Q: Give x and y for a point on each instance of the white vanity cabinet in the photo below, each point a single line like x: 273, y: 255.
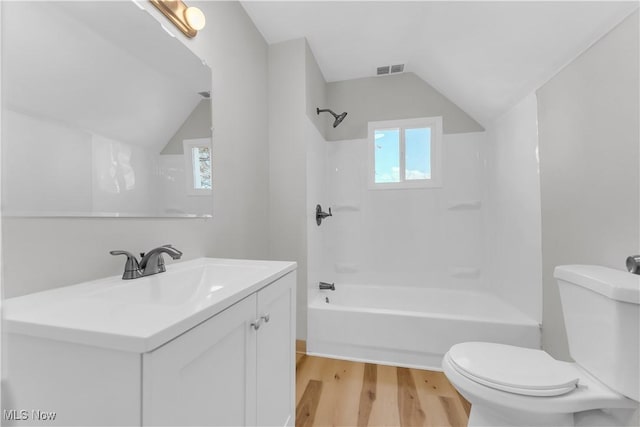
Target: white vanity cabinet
x: 142, y: 353
x: 225, y: 371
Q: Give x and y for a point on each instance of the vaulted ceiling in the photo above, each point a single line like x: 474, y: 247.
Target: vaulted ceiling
x: 484, y: 56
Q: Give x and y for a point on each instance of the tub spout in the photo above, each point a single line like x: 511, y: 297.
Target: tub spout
x: 328, y: 286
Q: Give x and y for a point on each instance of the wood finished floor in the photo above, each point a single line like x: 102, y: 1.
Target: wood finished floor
x: 331, y: 392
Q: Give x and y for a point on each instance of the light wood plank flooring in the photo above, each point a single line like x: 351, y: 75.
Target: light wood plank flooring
x: 331, y: 392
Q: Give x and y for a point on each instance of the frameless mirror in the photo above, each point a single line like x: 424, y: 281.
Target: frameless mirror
x: 104, y: 113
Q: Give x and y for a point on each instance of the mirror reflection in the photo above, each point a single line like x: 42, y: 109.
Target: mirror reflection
x: 103, y: 114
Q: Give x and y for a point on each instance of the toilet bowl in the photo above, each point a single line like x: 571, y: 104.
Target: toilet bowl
x: 515, y: 386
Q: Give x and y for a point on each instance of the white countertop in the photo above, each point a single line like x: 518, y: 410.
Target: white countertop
x: 142, y: 314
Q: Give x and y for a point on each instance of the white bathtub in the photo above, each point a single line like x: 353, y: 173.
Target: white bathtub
x: 411, y: 327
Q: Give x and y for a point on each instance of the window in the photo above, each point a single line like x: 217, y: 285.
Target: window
x: 197, y: 156
x: 405, y: 153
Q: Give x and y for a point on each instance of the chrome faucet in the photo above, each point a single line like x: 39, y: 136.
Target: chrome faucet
x: 327, y: 286
x: 153, y: 263
x: 150, y: 263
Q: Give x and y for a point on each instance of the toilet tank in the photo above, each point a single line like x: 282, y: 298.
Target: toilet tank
x: 602, y: 317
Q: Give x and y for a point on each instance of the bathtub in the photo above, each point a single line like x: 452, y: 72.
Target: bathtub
x: 412, y: 327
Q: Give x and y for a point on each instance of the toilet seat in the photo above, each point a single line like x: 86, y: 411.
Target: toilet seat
x: 517, y: 370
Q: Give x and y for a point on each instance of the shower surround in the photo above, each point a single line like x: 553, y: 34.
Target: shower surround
x: 431, y: 237
x: 416, y: 269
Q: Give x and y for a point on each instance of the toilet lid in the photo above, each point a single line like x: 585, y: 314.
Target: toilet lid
x: 513, y: 369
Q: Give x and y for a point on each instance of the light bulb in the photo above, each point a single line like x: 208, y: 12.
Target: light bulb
x: 195, y: 18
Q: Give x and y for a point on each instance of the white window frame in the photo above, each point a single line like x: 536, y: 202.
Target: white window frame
x: 435, y: 123
x: 188, y: 146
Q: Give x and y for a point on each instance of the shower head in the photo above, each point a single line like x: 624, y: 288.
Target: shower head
x: 338, y: 118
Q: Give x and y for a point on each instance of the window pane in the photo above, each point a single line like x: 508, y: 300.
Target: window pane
x: 387, y: 155
x: 201, y: 168
x: 417, y: 153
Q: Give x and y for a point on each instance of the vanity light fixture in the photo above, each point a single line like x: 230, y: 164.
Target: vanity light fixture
x: 189, y: 20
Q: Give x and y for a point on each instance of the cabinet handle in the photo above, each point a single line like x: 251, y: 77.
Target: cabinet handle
x: 265, y: 317
x: 256, y: 324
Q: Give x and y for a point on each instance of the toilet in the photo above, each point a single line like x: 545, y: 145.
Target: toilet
x: 515, y: 386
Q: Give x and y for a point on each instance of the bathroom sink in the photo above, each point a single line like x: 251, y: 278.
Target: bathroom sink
x: 140, y: 314
x: 175, y: 288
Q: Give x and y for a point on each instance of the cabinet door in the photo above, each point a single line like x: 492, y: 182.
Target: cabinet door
x: 276, y: 353
x: 206, y: 376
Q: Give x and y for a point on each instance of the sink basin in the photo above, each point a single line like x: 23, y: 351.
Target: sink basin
x: 141, y: 314
x: 174, y: 288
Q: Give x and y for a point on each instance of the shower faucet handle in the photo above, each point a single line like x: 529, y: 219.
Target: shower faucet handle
x: 320, y: 215
x: 324, y: 214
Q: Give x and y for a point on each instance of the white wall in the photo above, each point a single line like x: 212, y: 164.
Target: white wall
x: 392, y: 97
x: 2, y: 337
x: 316, y: 93
x: 43, y: 253
x: 588, y: 133
x: 315, y: 130
x: 413, y: 237
x: 288, y: 163
x: 296, y: 161
x: 513, y: 255
x: 316, y: 194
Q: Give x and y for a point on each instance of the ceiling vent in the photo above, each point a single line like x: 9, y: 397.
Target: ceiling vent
x: 390, y: 69
x: 383, y: 70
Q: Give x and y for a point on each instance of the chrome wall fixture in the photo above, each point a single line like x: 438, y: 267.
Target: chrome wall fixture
x: 189, y: 20
x: 150, y: 263
x: 338, y: 117
x: 320, y: 215
x: 327, y: 286
x: 633, y: 264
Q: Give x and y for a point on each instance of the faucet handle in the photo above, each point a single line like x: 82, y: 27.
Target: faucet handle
x: 131, y: 267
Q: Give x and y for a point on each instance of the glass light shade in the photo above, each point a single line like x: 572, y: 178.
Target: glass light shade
x: 195, y: 18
